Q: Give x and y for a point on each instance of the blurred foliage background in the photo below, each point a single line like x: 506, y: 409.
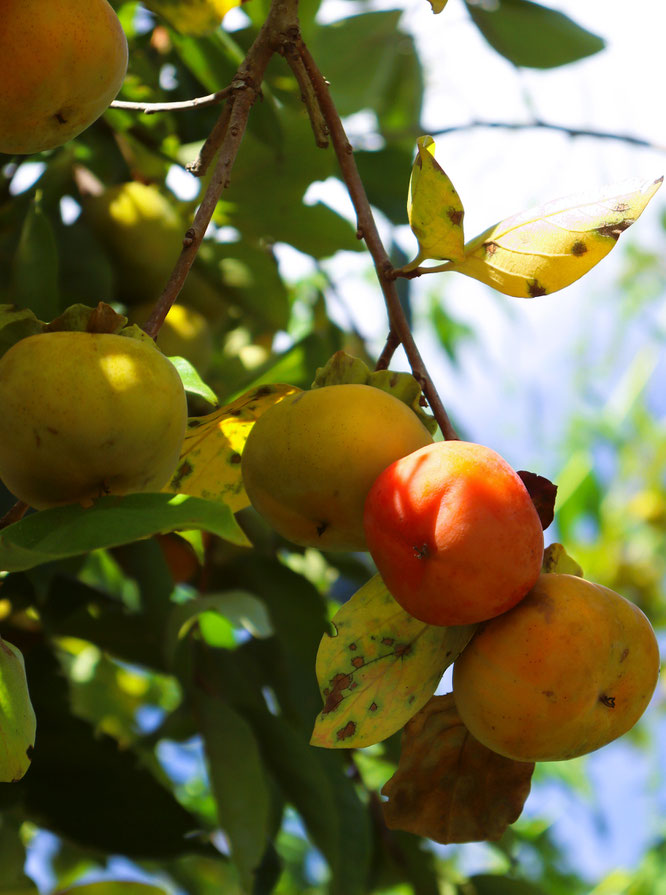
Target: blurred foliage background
x: 155, y: 751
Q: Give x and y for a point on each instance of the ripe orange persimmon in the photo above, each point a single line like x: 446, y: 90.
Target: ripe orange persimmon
x: 454, y: 533
x: 567, y: 670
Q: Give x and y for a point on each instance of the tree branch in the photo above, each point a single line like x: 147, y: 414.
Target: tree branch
x: 546, y: 125
x: 226, y: 137
x: 199, y: 102
x: 15, y: 514
x: 367, y: 230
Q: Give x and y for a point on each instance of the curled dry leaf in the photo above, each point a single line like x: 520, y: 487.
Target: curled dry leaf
x: 543, y: 493
x: 448, y: 787
x: 434, y: 208
x: 381, y: 666
x: 209, y: 464
x: 557, y: 560
x: 547, y: 248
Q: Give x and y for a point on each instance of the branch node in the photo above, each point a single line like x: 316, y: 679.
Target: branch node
x: 190, y: 236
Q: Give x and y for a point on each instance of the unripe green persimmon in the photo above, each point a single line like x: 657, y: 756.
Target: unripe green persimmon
x: 87, y: 414
x: 567, y: 670
x: 62, y: 62
x: 310, y: 460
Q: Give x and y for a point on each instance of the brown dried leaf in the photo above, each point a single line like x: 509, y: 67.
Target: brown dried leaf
x: 543, y: 494
x: 448, y: 787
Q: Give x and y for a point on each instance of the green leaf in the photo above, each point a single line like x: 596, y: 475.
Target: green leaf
x: 192, y: 381
x: 491, y: 884
x: 12, y: 859
x: 434, y: 208
x: 383, y: 173
x: 35, y: 274
x: 532, y: 35
x: 379, y: 668
x: 17, y: 324
x: 238, y: 782
x: 17, y: 716
x: 71, y: 530
x: 544, y: 249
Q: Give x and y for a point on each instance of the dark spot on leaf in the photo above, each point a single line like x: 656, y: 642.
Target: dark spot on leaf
x: 607, y: 700
x: 353, y: 646
x: 388, y: 641
x: 347, y: 731
x: 353, y: 685
x: 614, y: 230
x: 625, y: 653
x: 193, y: 423
x: 490, y: 247
x: 535, y: 288
x: 235, y: 458
x: 184, y: 470
x: 411, y: 699
x: 321, y: 527
x: 373, y: 707
x: 455, y: 216
x: 358, y: 662
x: 402, y: 649
x: 262, y: 392
x: 335, y: 696
x: 578, y: 248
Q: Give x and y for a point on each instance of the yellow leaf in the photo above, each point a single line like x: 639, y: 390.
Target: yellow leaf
x: 380, y: 668
x: 196, y: 17
x: 546, y: 248
x: 434, y: 208
x: 557, y: 560
x: 209, y: 464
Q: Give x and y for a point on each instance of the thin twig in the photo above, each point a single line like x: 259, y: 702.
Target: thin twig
x: 389, y: 349
x: 200, y: 166
x: 367, y: 229
x: 16, y: 513
x: 547, y: 125
x: 317, y: 121
x: 198, y: 102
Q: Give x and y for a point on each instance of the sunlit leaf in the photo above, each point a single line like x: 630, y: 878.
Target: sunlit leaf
x: 379, y: 668
x: 556, y: 559
x: 209, y: 465
x: 197, y: 17
x: 448, y: 787
x: 546, y: 248
x: 17, y: 716
x: 434, y: 208
x: 192, y: 381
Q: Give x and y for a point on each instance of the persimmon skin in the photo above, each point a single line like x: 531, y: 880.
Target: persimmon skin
x: 570, y: 668
x: 310, y: 460
x: 62, y: 62
x: 454, y: 533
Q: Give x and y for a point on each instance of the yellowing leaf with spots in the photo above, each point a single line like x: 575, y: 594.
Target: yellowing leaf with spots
x: 434, y: 208
x: 209, y: 464
x: 381, y: 666
x: 197, y: 17
x: 547, y: 248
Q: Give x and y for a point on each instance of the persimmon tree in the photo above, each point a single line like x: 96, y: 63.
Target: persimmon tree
x: 212, y: 700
